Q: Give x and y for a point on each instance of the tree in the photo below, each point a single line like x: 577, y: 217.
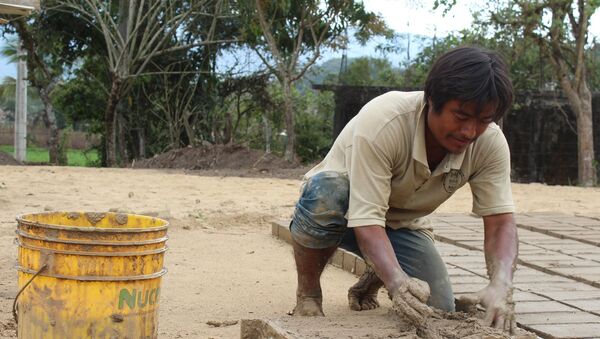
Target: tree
x: 289, y: 35
x: 559, y: 28
x: 367, y: 71
x: 134, y: 33
x: 8, y: 100
x: 44, y: 69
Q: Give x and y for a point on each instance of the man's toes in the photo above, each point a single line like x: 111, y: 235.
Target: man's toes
x: 369, y: 304
x: 354, y: 304
x: 354, y: 300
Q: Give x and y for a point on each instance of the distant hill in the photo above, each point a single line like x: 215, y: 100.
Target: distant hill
x: 329, y: 66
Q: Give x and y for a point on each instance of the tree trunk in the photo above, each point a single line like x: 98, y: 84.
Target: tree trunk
x: 109, y: 123
x: 288, y: 106
x: 585, y: 138
x: 189, y: 131
x: 580, y: 100
x: 227, y: 129
x: 141, y: 143
x: 50, y: 121
x: 581, y: 104
x: 122, y: 128
x: 267, y: 128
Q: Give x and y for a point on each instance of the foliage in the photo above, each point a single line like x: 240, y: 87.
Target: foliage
x: 62, y: 146
x: 181, y: 96
x: 367, y: 71
x: 314, y: 127
x: 7, y: 98
x: 558, y: 31
x: 288, y: 36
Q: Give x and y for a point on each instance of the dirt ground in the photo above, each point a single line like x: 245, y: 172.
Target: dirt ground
x: 223, y: 263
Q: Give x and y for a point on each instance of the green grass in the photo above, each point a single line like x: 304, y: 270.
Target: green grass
x: 75, y: 157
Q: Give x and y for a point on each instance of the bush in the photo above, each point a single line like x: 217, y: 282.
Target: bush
x: 313, y: 137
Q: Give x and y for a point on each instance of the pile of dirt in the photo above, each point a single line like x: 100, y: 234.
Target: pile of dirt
x: 226, y: 160
x: 7, y: 159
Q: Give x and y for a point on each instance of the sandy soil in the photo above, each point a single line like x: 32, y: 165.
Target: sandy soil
x: 223, y: 263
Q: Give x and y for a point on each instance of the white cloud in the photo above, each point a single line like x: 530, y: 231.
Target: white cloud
x: 418, y: 16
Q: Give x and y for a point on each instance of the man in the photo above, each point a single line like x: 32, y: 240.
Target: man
x: 402, y: 156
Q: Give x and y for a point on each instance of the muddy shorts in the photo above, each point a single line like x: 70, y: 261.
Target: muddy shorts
x: 319, y: 222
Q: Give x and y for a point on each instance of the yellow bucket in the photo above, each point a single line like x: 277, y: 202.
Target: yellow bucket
x: 89, y: 275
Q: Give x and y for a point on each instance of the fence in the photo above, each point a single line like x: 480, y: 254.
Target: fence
x: 38, y: 136
x: 538, y: 129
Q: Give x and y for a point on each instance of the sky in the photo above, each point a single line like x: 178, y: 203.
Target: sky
x: 418, y: 16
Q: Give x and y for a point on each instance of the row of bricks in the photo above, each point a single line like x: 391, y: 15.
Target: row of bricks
x: 537, y: 312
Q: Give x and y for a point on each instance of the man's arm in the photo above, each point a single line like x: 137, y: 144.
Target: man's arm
x: 501, y: 250
x: 408, y: 295
x: 501, y: 247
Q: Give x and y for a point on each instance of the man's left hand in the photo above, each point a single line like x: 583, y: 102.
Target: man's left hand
x: 499, y: 306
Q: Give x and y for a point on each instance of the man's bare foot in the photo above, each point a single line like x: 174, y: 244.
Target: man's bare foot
x: 363, y: 295
x: 308, y: 307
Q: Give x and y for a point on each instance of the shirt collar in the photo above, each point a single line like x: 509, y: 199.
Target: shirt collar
x: 450, y: 161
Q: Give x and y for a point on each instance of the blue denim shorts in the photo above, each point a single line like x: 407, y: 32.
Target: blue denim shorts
x: 319, y: 219
x: 319, y: 222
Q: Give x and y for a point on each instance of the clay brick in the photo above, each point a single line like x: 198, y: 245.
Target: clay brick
x: 541, y: 306
x: 469, y: 279
x: 467, y: 288
x: 338, y: 258
x: 349, y: 262
x: 284, y: 234
x: 578, y: 270
x: 544, y: 287
x: 259, y: 328
x: 361, y: 267
x: 573, y: 295
x: 589, y: 330
x: 575, y: 317
x: 588, y: 305
x: 519, y: 296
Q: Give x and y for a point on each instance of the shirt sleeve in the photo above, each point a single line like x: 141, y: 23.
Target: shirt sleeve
x: 490, y: 185
x: 370, y: 183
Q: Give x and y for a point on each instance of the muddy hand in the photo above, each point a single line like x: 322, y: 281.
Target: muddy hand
x: 363, y: 295
x: 409, y: 300
x: 499, y: 306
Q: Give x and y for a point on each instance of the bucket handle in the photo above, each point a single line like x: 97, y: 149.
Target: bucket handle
x: 14, y: 308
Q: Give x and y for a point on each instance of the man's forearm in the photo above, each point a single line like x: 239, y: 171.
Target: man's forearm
x: 379, y: 253
x: 501, y: 248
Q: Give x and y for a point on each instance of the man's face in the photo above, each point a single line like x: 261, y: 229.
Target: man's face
x: 458, y: 124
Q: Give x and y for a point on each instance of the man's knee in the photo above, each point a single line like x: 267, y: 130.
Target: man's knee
x: 319, y: 219
x: 326, y: 193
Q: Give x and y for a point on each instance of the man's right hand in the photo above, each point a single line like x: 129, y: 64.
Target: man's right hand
x: 408, y: 295
x: 408, y: 300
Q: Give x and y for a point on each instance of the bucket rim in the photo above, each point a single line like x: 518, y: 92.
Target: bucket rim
x: 22, y: 221
x: 155, y: 275
x: 20, y: 233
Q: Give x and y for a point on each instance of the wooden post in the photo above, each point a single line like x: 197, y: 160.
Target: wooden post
x: 21, y: 106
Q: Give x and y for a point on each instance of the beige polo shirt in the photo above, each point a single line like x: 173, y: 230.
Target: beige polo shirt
x: 382, y: 151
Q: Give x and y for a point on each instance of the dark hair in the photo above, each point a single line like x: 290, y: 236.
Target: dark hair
x: 470, y: 74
